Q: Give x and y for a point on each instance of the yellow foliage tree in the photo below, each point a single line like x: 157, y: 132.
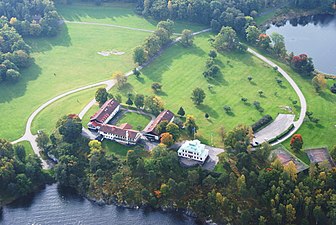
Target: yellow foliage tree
x: 291, y: 170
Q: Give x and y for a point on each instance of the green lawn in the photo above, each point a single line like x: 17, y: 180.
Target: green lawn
x: 120, y: 150
x: 89, y: 113
x: 28, y: 147
x: 138, y: 121
x: 116, y: 13
x: 180, y: 71
x: 69, y: 61
x: 46, y: 120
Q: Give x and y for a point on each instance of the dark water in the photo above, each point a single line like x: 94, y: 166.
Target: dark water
x: 53, y: 205
x: 315, y: 36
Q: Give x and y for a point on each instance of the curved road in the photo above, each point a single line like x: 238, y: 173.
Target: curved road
x: 28, y: 136
x: 302, y: 99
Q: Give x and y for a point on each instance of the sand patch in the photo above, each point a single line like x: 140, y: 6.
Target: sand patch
x: 112, y: 52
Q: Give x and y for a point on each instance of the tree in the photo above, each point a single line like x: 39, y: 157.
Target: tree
x: 296, y: 142
x: 162, y: 127
x: 226, y: 39
x: 167, y: 139
x: 227, y: 108
x: 244, y: 99
x: 319, y: 83
x: 136, y: 72
x: 290, y: 214
x: 264, y: 41
x: 42, y: 140
x: 101, y: 96
x: 302, y: 64
x: 70, y: 127
x: 333, y: 88
x: 181, y: 111
x: 333, y: 152
x: 129, y: 102
x: 279, y: 44
x: 140, y: 55
x: 198, y: 96
x: 212, y: 54
x: 154, y: 104
x: 120, y: 78
x: 20, y: 152
x: 187, y: 38
x: 12, y: 75
x: 190, y: 125
x: 139, y: 100
x: 250, y: 78
x: 167, y: 25
x: 206, y: 115
x: 174, y: 130
x: 260, y: 92
x: 252, y: 34
x: 238, y: 140
x: 156, y: 86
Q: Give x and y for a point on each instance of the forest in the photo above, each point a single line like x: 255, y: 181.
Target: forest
x: 23, y: 18
x: 249, y: 190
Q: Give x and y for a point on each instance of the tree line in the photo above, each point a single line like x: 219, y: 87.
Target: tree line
x: 19, y: 173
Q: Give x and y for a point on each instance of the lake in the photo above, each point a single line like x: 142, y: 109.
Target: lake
x: 54, y: 205
x: 315, y: 36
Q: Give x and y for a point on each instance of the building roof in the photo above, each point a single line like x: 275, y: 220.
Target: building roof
x: 194, y: 146
x: 111, y: 129
x: 164, y: 115
x: 105, y: 111
x: 125, y: 126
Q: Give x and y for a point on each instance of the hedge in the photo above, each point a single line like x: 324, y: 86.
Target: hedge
x: 265, y: 120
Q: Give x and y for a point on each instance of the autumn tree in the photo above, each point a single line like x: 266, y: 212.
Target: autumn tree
x: 167, y: 139
x: 319, y: 83
x: 296, y: 142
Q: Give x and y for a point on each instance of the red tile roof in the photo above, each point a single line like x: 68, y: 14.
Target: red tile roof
x: 125, y: 126
x: 164, y: 115
x: 105, y: 111
x: 111, y: 129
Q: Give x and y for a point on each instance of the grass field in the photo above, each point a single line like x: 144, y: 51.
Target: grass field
x: 46, y: 120
x: 69, y: 61
x: 179, y: 70
x: 116, y: 13
x: 138, y: 121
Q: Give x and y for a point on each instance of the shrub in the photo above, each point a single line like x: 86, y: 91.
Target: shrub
x: 261, y: 123
x: 333, y: 88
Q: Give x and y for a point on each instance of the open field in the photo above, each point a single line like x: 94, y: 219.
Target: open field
x: 138, y: 121
x: 116, y: 13
x: 69, y: 61
x: 322, y: 105
x: 74, y: 103
x: 180, y: 69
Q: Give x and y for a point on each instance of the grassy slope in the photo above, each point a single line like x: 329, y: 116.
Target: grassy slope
x: 116, y: 13
x: 72, y: 56
x: 74, y: 103
x: 138, y: 121
x: 180, y: 71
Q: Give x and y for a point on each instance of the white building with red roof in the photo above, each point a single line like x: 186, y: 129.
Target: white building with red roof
x: 122, y: 134
x: 110, y: 108
x: 150, y: 131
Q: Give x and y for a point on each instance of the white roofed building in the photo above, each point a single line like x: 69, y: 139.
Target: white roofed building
x: 193, y: 150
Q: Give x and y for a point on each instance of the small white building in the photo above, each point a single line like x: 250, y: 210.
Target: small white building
x: 193, y: 150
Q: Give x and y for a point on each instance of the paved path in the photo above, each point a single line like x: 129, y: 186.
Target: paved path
x: 28, y: 136
x: 302, y: 99
x: 281, y: 123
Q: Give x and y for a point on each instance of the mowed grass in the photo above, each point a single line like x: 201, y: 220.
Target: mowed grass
x: 180, y: 70
x: 72, y: 104
x: 138, y: 121
x: 116, y: 13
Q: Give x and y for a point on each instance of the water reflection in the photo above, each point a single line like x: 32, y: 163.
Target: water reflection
x: 313, y: 35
